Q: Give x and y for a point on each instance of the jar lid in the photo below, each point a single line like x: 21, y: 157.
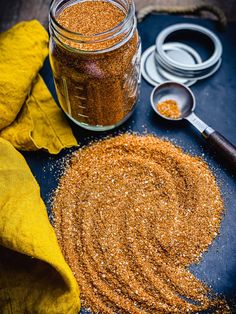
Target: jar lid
x: 178, y: 61
x: 155, y: 73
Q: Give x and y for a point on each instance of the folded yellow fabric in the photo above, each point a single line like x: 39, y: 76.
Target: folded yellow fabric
x: 34, y: 277
x: 40, y: 124
x: 22, y: 52
x: 29, y: 117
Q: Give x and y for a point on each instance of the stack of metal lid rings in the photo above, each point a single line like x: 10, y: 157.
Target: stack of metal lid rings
x: 177, y: 61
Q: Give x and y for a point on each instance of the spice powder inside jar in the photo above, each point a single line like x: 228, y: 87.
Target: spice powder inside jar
x: 96, y: 66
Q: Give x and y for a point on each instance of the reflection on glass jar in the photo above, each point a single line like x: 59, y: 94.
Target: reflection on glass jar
x: 95, y: 57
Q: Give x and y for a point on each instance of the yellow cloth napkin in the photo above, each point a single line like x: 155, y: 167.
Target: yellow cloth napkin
x: 40, y: 124
x: 34, y: 277
x: 29, y: 117
x: 23, y: 49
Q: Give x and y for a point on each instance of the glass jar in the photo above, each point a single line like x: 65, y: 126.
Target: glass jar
x: 96, y: 76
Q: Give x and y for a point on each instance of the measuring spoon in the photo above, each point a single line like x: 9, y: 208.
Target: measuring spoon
x: 186, y: 103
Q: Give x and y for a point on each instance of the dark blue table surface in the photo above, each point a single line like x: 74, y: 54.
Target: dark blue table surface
x: 216, y: 105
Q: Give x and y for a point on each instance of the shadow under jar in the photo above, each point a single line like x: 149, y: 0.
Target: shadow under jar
x: 95, y: 58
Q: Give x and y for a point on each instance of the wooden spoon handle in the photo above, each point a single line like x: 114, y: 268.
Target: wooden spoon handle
x: 223, y: 148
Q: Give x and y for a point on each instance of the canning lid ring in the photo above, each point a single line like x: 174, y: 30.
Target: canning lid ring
x: 149, y: 58
x: 160, y: 40
x: 191, y: 75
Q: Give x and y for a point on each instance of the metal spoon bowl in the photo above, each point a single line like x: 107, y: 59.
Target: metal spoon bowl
x: 186, y: 102
x: 176, y: 91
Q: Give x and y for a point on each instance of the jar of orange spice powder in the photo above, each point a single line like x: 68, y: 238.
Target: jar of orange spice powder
x: 95, y: 58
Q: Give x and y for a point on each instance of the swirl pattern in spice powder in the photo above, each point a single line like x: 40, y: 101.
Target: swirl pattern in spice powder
x: 131, y: 214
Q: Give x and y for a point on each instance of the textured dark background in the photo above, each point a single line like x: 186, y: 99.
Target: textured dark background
x: 12, y: 11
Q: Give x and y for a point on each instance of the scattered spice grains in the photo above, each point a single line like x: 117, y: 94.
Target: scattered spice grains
x: 131, y: 214
x: 95, y: 86
x: 169, y: 108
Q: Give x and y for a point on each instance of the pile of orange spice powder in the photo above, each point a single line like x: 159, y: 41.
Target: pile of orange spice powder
x: 169, y: 109
x: 131, y: 213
